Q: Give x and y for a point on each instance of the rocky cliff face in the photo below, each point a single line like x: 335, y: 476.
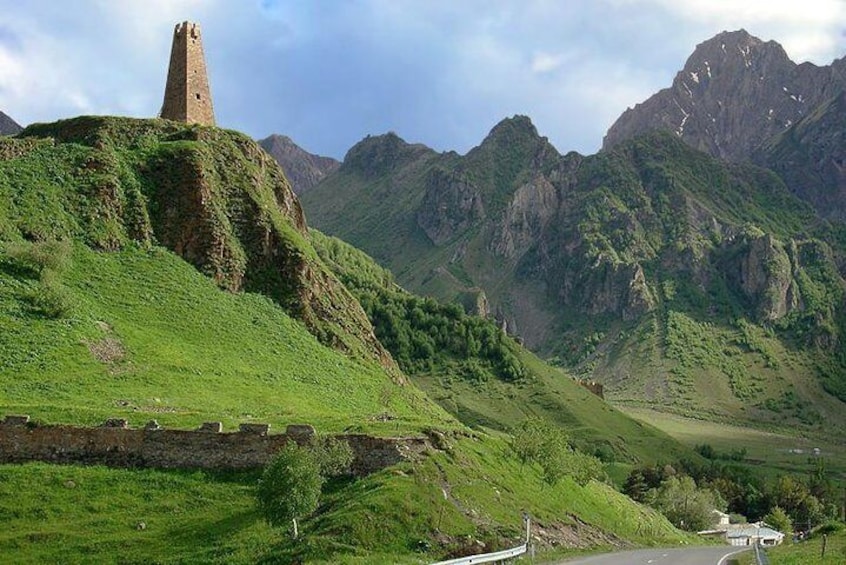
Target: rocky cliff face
x: 811, y: 158
x: 764, y: 272
x: 8, y: 126
x: 303, y: 169
x: 734, y: 93
x: 450, y: 206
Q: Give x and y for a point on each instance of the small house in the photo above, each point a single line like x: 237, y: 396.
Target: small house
x: 750, y: 534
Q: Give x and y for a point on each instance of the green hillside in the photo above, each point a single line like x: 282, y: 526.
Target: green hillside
x: 148, y: 337
x: 678, y: 281
x: 480, y: 375
x: 152, y: 270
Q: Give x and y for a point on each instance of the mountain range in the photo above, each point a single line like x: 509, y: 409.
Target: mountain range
x: 707, y: 223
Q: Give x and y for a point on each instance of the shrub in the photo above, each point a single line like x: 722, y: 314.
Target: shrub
x: 778, y: 519
x: 539, y: 441
x: 290, y: 486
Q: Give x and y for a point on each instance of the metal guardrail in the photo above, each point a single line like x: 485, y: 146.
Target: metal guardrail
x: 487, y: 557
x: 495, y: 556
x: 761, y: 556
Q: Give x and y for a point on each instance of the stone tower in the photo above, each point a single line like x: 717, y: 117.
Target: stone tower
x: 187, y: 96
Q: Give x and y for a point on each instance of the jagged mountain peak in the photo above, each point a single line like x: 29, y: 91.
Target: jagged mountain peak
x: 508, y: 130
x: 302, y: 168
x: 8, y: 126
x: 738, y: 50
x: 516, y: 138
x: 734, y: 93
x: 377, y: 154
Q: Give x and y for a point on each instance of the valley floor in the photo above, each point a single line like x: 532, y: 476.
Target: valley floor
x: 771, y: 451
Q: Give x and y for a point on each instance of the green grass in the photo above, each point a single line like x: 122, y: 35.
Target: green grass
x: 808, y: 552
x: 768, y: 452
x: 150, y: 337
x: 75, y: 514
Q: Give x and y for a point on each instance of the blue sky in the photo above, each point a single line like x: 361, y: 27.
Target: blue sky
x: 439, y: 72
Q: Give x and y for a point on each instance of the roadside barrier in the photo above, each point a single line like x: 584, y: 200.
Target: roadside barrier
x: 495, y: 556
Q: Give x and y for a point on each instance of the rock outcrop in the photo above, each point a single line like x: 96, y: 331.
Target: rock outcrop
x: 450, y: 206
x: 763, y: 271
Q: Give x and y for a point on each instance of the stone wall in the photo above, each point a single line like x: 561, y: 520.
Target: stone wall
x: 594, y: 387
x: 187, y: 94
x: 116, y: 444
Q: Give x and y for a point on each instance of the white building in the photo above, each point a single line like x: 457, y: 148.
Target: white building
x: 749, y: 534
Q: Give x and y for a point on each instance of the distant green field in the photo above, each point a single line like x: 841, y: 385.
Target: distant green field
x: 771, y: 452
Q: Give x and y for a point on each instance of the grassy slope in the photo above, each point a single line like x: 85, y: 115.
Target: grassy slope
x: 192, y: 353
x: 738, y: 373
x: 808, y: 552
x: 83, y: 514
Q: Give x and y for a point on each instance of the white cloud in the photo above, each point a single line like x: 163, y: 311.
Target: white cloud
x: 808, y: 29
x: 543, y: 62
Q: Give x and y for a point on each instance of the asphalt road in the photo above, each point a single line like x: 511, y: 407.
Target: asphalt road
x: 675, y: 556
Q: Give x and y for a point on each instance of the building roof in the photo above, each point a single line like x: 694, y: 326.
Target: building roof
x: 753, y: 531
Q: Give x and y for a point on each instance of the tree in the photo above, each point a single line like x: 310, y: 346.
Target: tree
x: 539, y: 441
x: 291, y: 484
x: 778, y: 519
x: 686, y: 505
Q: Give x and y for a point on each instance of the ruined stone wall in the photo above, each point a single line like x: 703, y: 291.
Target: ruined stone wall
x: 187, y: 94
x: 594, y: 387
x: 116, y: 445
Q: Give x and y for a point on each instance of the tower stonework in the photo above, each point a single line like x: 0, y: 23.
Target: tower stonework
x: 187, y: 96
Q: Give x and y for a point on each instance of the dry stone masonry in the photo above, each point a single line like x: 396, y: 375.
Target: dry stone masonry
x: 117, y: 445
x: 187, y: 95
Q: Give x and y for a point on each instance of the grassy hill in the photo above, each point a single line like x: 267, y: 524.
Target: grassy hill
x: 148, y: 337
x: 152, y: 270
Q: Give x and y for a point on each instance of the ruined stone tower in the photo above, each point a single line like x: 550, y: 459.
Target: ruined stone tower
x: 187, y: 96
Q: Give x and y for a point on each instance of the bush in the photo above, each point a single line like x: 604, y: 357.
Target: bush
x: 778, y: 519
x: 48, y: 259
x: 42, y: 256
x: 290, y: 486
x: 333, y: 456
x: 539, y: 441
